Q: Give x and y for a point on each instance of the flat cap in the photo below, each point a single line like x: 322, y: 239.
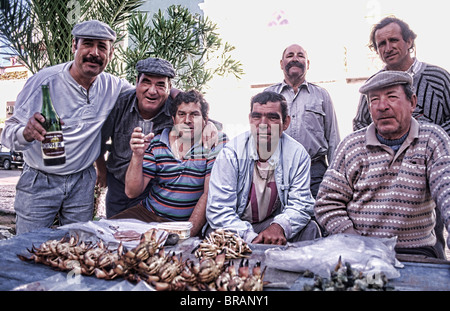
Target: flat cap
x: 385, y: 79
x: 155, y: 66
x: 94, y: 29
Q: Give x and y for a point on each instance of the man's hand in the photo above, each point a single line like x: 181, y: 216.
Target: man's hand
x: 274, y: 234
x: 210, y: 137
x: 34, y: 129
x: 139, y: 142
x: 100, y: 165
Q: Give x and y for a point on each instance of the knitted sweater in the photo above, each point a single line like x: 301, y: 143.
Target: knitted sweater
x: 432, y: 85
x: 377, y: 192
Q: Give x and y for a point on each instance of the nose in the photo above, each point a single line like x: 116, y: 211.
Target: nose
x: 389, y: 47
x: 94, y: 50
x: 151, y: 89
x: 383, y: 104
x: 188, y: 118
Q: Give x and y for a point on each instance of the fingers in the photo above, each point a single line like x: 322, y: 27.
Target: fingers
x: 139, y: 142
x: 271, y: 235
x: 34, y: 129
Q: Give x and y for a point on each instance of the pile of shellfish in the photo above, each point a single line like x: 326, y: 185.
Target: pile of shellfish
x: 345, y: 278
x: 223, y: 240
x: 149, y: 262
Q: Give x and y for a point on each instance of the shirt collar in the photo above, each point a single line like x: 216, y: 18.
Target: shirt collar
x: 372, y: 140
x: 305, y: 84
x: 253, y: 153
x: 165, y: 140
x: 414, y: 68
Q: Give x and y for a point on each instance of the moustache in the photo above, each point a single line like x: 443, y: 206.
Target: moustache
x: 93, y: 59
x: 296, y: 64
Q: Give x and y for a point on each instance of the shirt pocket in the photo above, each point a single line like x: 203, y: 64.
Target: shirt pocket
x: 314, y: 116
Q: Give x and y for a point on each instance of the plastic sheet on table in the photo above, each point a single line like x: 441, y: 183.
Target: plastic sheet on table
x: 365, y: 254
x: 114, y: 231
x: 68, y: 282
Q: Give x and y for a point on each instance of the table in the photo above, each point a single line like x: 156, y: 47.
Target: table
x: 15, y: 273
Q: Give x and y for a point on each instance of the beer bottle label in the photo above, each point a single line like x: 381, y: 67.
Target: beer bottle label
x: 53, y: 145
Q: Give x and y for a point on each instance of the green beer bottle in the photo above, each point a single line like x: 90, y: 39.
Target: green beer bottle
x: 53, y: 150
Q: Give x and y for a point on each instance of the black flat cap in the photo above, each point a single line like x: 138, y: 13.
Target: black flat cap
x: 94, y: 29
x: 384, y: 79
x: 155, y: 66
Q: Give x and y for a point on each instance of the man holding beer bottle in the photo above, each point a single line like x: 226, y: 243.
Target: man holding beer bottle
x: 82, y: 96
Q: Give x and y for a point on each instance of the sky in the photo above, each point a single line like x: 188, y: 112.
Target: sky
x: 336, y: 36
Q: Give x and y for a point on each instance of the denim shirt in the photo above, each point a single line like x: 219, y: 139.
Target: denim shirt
x: 231, y: 181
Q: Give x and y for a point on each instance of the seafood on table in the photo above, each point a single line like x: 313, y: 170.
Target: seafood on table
x: 149, y: 262
x: 221, y: 239
x: 345, y: 278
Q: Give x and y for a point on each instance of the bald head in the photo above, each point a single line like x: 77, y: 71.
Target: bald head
x: 295, y: 64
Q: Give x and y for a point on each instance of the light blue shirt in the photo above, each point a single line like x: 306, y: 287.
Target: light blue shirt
x: 313, y: 118
x: 231, y: 181
x: 82, y: 112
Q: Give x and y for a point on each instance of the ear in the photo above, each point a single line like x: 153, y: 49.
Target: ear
x: 410, y: 44
x: 286, y: 123
x: 74, y: 46
x: 111, y: 53
x: 413, y: 102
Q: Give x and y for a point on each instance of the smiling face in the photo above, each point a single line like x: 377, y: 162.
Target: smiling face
x: 189, y: 122
x: 392, y: 48
x: 391, y: 111
x: 91, y: 57
x: 294, y: 64
x: 151, y: 93
x: 267, y: 125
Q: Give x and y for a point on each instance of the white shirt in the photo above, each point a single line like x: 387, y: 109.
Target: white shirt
x: 82, y: 112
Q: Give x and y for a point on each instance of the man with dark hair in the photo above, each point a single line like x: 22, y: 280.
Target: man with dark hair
x: 313, y: 119
x: 174, y: 167
x: 260, y: 182
x: 389, y: 178
x: 82, y: 95
x: 151, y: 100
x: 394, y: 43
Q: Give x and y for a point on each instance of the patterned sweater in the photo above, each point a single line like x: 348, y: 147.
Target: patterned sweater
x: 371, y: 189
x: 432, y: 85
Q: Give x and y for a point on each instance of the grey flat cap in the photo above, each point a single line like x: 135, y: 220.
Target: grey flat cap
x: 384, y: 79
x: 155, y: 66
x: 94, y: 29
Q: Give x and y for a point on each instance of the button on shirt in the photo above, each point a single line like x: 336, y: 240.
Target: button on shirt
x: 313, y: 119
x: 83, y: 113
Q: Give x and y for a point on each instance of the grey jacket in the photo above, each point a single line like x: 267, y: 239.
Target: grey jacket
x: 231, y: 181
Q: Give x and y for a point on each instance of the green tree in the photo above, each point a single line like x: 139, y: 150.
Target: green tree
x: 189, y: 41
x: 39, y: 31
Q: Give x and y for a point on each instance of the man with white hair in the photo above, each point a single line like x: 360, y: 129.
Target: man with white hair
x: 388, y: 178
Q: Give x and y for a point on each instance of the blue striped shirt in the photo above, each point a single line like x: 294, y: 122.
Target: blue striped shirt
x: 176, y: 185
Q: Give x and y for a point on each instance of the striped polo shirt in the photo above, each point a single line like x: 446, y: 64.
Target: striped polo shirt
x: 176, y: 185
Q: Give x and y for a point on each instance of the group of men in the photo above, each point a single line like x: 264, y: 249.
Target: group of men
x: 289, y: 178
